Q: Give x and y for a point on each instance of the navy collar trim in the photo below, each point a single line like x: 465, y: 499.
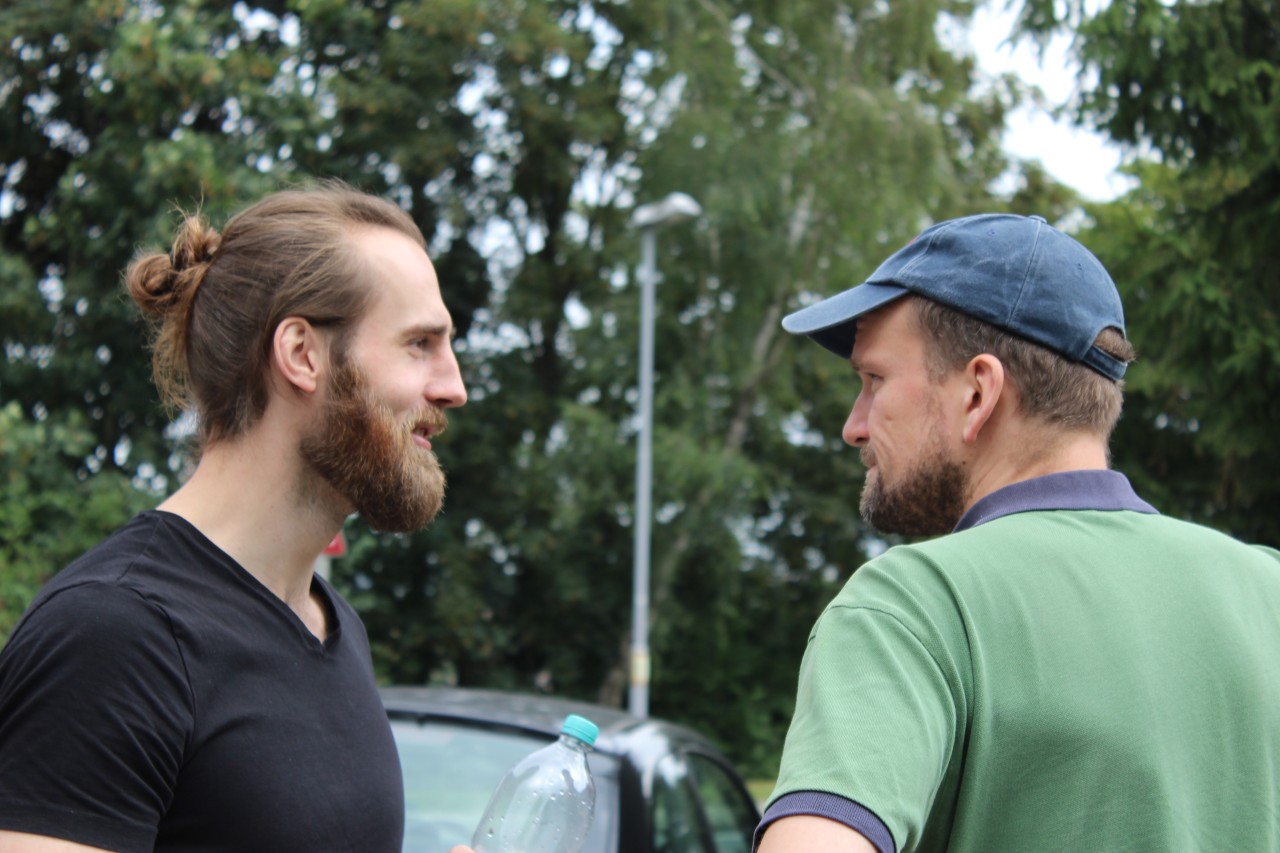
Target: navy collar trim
x: 1093, y: 489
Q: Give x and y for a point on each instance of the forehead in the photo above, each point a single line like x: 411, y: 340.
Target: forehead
x: 405, y: 292
x: 889, y: 335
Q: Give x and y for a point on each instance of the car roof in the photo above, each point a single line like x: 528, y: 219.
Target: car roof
x: 620, y: 732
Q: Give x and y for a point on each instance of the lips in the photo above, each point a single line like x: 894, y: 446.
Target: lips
x: 432, y: 423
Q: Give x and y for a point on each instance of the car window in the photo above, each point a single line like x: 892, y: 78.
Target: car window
x: 676, y: 828
x: 451, y: 770
x: 729, y: 810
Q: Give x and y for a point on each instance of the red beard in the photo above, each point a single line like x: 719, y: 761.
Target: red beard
x: 369, y: 457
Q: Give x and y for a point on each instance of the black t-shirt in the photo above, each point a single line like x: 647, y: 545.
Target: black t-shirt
x: 157, y: 696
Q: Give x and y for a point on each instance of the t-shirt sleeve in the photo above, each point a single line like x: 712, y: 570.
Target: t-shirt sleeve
x: 880, y: 711
x: 95, y: 715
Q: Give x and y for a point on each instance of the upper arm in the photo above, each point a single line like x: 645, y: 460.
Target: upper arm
x: 880, y: 711
x: 22, y: 842
x: 804, y: 833
x: 95, y: 717
x: 876, y: 720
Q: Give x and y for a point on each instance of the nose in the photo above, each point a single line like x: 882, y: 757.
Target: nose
x: 855, y: 433
x: 447, y: 389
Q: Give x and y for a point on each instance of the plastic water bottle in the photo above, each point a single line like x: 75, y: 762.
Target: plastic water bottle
x: 545, y: 802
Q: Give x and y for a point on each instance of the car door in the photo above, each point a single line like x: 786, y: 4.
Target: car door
x: 727, y: 809
x: 699, y: 807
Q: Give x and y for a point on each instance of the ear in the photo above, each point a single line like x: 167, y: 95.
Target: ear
x: 298, y: 354
x: 984, y: 386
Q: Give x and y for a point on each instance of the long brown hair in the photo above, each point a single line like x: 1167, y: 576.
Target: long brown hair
x: 214, y: 300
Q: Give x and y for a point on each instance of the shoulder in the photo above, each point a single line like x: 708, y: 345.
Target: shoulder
x: 1191, y: 531
x: 97, y: 618
x: 91, y: 632
x: 902, y: 602
x: 158, y: 559
x: 920, y: 594
x: 115, y: 557
x: 901, y: 577
x: 102, y: 589
x: 96, y: 713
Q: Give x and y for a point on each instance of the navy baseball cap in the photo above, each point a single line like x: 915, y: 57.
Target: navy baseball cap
x: 1015, y: 272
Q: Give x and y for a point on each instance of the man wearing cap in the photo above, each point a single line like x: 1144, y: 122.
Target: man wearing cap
x: 1065, y: 669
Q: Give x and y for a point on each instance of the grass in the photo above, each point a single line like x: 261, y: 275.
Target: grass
x: 760, y: 789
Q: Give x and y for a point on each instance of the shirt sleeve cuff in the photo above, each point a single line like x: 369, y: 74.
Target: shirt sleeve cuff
x: 833, y: 807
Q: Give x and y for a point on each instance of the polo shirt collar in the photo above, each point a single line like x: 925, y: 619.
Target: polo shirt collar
x: 1092, y: 489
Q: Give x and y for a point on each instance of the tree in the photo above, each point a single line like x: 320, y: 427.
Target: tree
x: 51, y: 511
x: 818, y: 138
x: 519, y: 134
x: 1197, y: 86
x: 115, y: 113
x: 816, y: 143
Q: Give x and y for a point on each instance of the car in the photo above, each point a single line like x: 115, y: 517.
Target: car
x: 660, y: 787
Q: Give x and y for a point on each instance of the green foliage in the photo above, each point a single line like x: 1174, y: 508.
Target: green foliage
x: 518, y: 134
x: 1198, y: 432
x: 1193, y: 248
x: 817, y: 138
x: 51, y: 508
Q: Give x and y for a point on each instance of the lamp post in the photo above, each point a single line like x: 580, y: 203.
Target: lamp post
x: 676, y: 207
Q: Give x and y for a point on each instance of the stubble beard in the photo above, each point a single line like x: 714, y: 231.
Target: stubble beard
x: 929, y: 500
x: 368, y: 456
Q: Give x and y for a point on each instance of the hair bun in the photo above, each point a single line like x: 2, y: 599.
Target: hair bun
x: 160, y: 283
x: 194, y: 245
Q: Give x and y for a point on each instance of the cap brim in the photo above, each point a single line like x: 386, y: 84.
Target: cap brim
x: 832, y: 322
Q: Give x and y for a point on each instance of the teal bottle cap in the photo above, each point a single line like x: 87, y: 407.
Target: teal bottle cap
x: 581, y: 728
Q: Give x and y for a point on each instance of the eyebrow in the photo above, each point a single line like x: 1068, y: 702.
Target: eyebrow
x: 435, y: 330
x: 861, y: 365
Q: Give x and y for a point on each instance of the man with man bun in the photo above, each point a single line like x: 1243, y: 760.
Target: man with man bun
x: 190, y: 683
x: 1062, y: 668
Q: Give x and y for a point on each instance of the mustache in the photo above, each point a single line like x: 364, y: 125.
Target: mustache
x: 431, y: 420
x: 868, y: 457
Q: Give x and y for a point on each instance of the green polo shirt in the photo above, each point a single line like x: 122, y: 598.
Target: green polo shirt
x: 1069, y: 671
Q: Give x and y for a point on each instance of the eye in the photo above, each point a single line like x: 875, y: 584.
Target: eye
x: 427, y: 338
x: 424, y: 343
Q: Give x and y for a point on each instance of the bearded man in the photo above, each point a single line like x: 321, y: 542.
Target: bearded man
x: 1062, y: 668
x: 190, y: 683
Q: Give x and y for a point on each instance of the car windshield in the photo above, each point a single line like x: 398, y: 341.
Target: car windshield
x: 450, y: 771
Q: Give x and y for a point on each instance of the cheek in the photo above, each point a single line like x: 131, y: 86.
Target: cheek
x: 396, y: 390
x: 881, y: 422
x: 892, y: 425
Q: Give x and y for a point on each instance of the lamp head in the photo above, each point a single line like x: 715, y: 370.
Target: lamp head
x: 676, y: 207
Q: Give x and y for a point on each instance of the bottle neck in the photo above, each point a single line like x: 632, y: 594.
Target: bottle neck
x: 571, y: 742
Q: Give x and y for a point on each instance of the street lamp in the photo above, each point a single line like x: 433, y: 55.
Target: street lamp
x: 676, y: 207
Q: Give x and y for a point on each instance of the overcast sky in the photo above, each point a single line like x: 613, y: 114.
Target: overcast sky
x: 1078, y: 158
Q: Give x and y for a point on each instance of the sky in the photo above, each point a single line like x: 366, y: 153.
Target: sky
x: 1077, y: 157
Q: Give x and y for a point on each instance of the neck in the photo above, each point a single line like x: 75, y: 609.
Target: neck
x: 1041, y: 453
x: 245, y: 497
